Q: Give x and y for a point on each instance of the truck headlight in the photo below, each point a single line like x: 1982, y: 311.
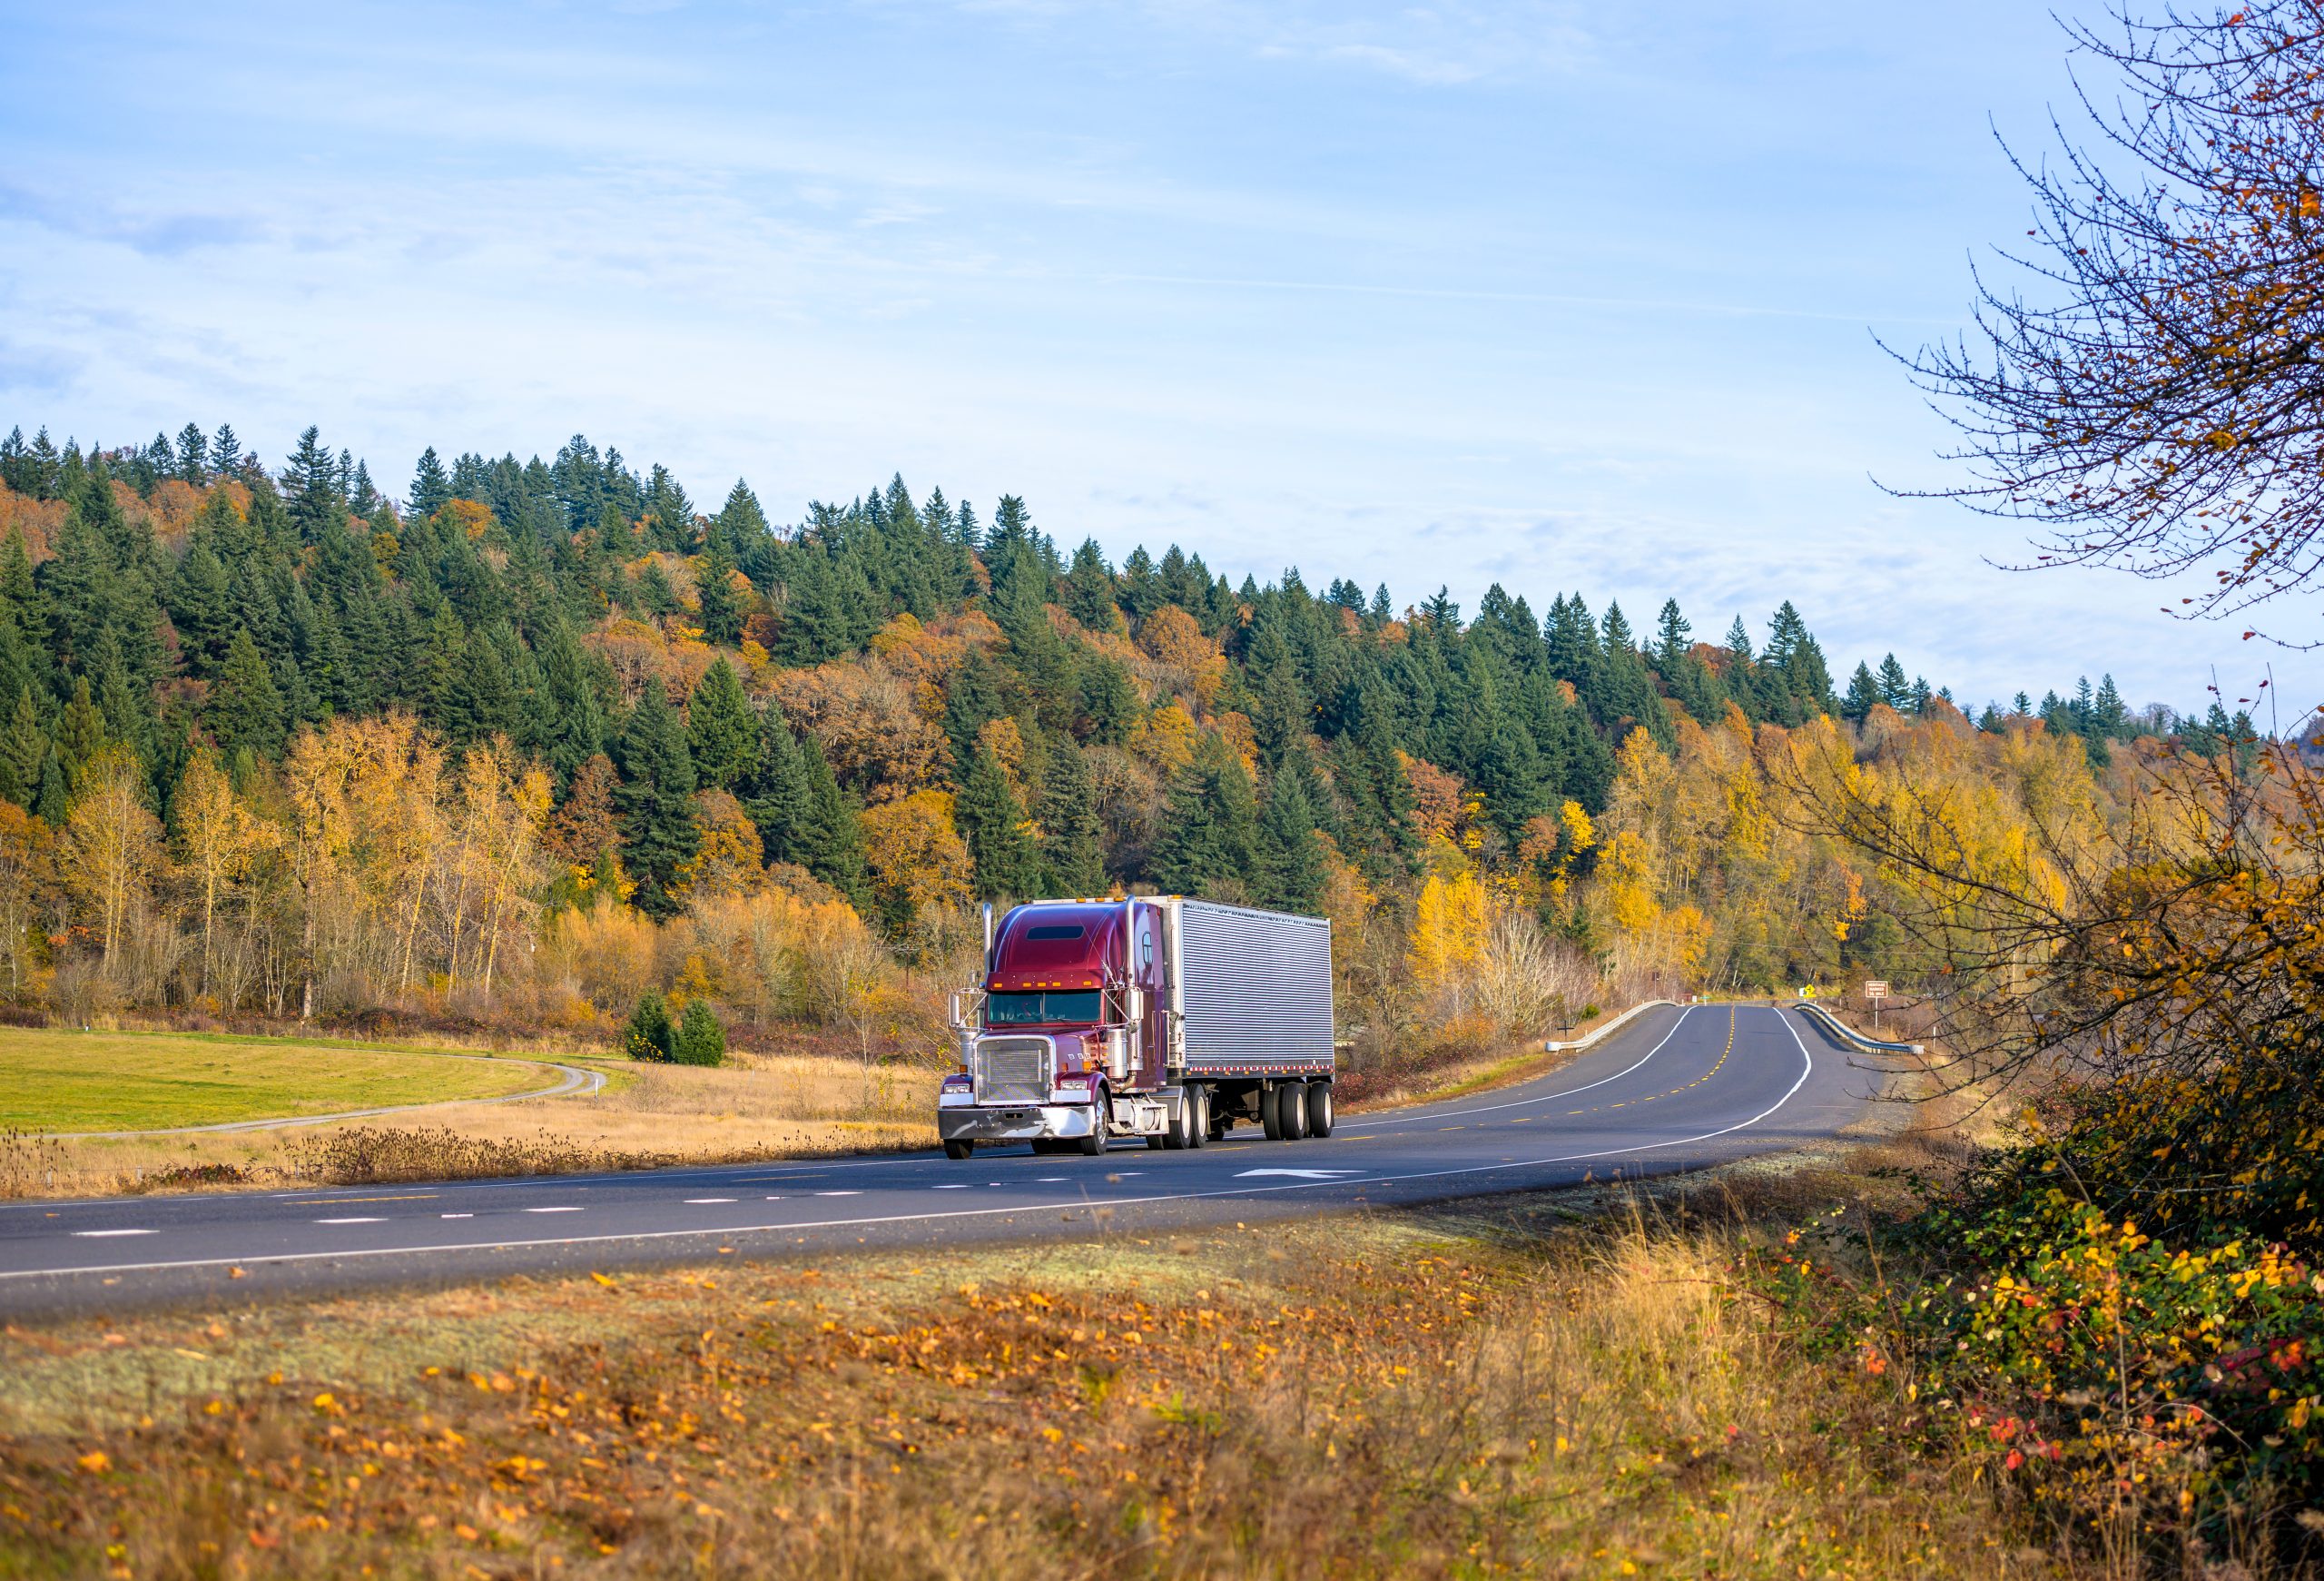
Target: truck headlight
x: 956, y: 1091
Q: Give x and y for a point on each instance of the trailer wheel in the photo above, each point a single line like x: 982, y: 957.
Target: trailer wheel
x: 1319, y: 1109
x: 1291, y: 1107
x: 959, y: 1150
x: 1198, y: 1130
x: 1270, y: 1113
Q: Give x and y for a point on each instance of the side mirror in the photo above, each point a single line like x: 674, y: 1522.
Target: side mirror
x: 955, y: 1015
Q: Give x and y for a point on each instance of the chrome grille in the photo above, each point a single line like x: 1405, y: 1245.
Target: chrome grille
x: 1012, y: 1070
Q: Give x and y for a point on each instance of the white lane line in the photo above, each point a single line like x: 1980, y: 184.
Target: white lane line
x: 360, y: 1221
x: 572, y: 1209
x: 1544, y: 1097
x: 839, y: 1193
x: 705, y: 1201
x: 1807, y: 1070
x: 102, y: 1234
x: 455, y: 1215
x: 773, y: 1199
x: 1303, y: 1174
x: 1048, y: 1180
x: 957, y: 1186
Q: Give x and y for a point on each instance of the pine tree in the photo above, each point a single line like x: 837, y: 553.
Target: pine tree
x: 24, y: 748
x: 1211, y: 828
x: 245, y: 708
x: 1864, y: 696
x: 721, y: 607
x: 1090, y: 588
x: 1895, y: 690
x: 1070, y: 848
x: 312, y: 483
x: 1109, y: 706
x: 1289, y: 871
x: 1671, y: 638
x: 225, y: 452
x: 991, y: 821
x: 722, y: 730
x: 431, y: 488
x: 776, y: 792
x: 656, y: 801
x: 700, y: 1040
x: 831, y: 833
x: 193, y: 456
x: 649, y: 1035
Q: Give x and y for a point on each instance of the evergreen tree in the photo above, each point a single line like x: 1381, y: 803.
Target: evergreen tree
x: 1069, y: 838
x: 722, y: 607
x: 991, y: 821
x: 700, y: 1040
x: 656, y: 801
x: 432, y: 487
x: 1895, y: 690
x: 1288, y: 873
x: 722, y: 730
x: 193, y: 456
x: 1672, y: 633
x: 1090, y: 588
x: 831, y: 835
x: 312, y: 483
x: 1864, y: 696
x: 226, y: 452
x: 1210, y: 831
x: 24, y: 748
x: 774, y: 793
x: 245, y: 706
x: 649, y: 1036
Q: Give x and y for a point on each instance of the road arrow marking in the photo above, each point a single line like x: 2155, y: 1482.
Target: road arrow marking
x: 1302, y: 1174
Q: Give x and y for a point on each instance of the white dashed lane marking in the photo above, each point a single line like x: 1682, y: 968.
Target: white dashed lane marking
x: 839, y: 1193
x: 372, y: 1220
x: 455, y: 1215
x: 573, y: 1210
x: 705, y: 1201
x: 100, y: 1234
x: 956, y: 1187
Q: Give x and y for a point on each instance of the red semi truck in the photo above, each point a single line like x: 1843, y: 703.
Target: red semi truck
x: 1163, y: 1018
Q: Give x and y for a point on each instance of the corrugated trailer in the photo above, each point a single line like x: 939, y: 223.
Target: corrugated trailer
x: 1250, y: 991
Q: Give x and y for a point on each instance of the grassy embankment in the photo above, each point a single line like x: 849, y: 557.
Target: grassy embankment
x: 757, y: 1107
x: 1580, y: 1385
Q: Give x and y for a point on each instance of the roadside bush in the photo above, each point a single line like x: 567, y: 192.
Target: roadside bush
x: 649, y: 1035
x: 2125, y: 1311
x: 700, y: 1040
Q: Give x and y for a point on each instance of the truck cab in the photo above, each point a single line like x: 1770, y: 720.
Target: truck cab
x: 1064, y: 1043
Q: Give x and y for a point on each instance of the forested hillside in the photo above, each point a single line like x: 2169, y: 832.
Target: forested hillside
x: 275, y: 742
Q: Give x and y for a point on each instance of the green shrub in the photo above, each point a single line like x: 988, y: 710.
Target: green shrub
x: 649, y: 1035
x: 700, y: 1040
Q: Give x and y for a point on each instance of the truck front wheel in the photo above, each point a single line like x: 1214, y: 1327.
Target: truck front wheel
x: 959, y: 1150
x: 1094, y: 1142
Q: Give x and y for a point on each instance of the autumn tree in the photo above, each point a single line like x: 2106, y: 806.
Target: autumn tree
x: 111, y: 843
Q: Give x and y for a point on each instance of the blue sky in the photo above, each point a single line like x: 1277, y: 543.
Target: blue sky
x: 1531, y: 294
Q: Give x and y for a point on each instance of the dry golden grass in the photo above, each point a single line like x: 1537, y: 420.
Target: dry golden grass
x: 1540, y: 1386
x: 761, y: 1107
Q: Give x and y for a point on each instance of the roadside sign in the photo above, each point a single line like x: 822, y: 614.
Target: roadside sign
x: 1876, y: 988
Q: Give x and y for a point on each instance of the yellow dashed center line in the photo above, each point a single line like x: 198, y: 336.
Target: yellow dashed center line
x: 1674, y: 1092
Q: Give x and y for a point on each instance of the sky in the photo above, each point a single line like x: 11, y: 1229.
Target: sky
x: 1565, y: 297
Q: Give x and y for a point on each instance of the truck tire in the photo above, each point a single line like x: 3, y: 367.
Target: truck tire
x: 1198, y: 1132
x: 1093, y: 1145
x: 959, y: 1150
x: 1292, y: 1111
x: 1270, y: 1113
x: 1181, y: 1123
x: 1319, y: 1109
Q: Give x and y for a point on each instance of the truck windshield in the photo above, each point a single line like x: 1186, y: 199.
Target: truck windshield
x: 1026, y: 1009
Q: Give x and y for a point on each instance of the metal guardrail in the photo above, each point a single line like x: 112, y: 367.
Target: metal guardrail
x: 1551, y: 1045
x: 1855, y: 1037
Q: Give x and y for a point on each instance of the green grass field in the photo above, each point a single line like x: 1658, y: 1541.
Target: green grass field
x: 74, y: 1081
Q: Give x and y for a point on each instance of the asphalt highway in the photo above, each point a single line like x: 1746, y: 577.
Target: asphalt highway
x: 1675, y: 1088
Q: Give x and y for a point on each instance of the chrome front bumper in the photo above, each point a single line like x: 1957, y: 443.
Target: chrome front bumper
x: 1015, y: 1123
